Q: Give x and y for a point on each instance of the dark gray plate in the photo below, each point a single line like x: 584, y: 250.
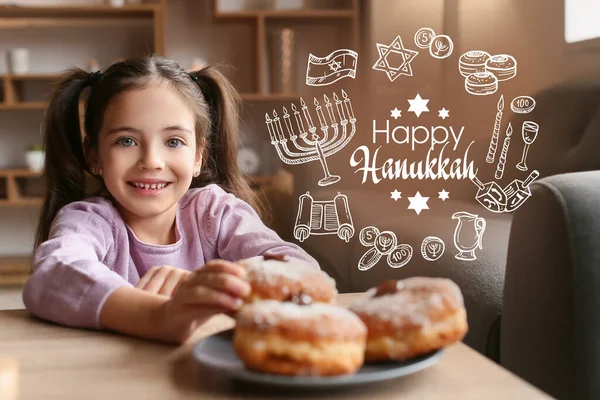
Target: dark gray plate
x: 216, y: 352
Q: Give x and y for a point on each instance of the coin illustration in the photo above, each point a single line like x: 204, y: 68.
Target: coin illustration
x: 441, y: 46
x: 423, y: 37
x: 368, y: 235
x: 385, y: 242
x: 400, y: 256
x: 432, y: 248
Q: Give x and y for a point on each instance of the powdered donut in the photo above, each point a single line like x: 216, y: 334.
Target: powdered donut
x: 481, y: 83
x: 472, y: 62
x: 279, y: 278
x: 292, y: 339
x: 503, y: 66
x: 411, y: 317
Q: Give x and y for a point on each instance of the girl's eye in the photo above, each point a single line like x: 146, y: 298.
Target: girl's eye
x: 127, y: 142
x: 174, y: 143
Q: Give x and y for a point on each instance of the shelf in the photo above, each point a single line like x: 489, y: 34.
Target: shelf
x: 57, y: 22
x: 14, y: 270
x: 30, y: 105
x: 12, y: 190
x: 72, y: 11
x: 269, y: 97
x: 277, y: 14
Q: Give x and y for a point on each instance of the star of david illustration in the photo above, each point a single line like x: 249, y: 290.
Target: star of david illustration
x: 395, y: 48
x: 334, y: 65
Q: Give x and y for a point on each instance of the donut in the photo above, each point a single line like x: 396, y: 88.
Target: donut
x: 472, y: 62
x: 411, y: 317
x: 503, y: 66
x: 481, y: 83
x: 299, y: 338
x: 277, y: 277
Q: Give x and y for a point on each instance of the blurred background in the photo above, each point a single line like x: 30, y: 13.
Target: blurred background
x: 266, y: 45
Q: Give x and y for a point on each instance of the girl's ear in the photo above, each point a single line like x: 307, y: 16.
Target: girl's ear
x: 91, y: 155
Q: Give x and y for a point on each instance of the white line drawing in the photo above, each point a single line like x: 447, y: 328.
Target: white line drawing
x: 328, y: 217
x: 401, y: 68
x: 339, y: 64
x: 472, y: 62
x: 318, y: 146
x: 396, y: 195
x: 443, y: 113
x: 383, y: 244
x: 418, y: 105
x: 494, y: 141
x: 481, y: 84
x: 518, y: 191
x: 424, y: 37
x: 495, y: 199
x: 418, y: 203
x: 504, y: 153
x: 490, y: 195
x: 522, y: 104
x: 432, y: 248
x: 395, y: 113
x: 443, y: 195
x: 441, y: 47
x: 468, y: 235
x: 530, y: 132
x: 503, y: 66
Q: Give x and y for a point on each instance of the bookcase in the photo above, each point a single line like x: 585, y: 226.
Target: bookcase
x: 27, y: 93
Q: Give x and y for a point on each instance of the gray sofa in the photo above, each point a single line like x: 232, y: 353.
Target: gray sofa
x: 546, y: 330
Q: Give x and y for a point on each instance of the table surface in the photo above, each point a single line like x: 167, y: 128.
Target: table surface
x: 62, y: 363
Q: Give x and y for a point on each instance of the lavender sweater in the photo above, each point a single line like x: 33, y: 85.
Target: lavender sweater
x: 91, y: 251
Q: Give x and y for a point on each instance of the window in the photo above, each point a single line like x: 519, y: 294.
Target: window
x: 582, y: 21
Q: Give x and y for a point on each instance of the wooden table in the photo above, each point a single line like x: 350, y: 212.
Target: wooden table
x: 63, y: 363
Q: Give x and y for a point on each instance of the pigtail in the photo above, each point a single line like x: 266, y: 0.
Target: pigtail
x: 220, y: 147
x: 65, y: 165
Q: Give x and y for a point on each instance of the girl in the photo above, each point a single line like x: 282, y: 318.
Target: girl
x: 171, y: 208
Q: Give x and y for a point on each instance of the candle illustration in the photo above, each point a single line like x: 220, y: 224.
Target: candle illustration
x: 329, y: 108
x: 311, y: 126
x: 270, y: 128
x: 320, y: 115
x: 494, y: 142
x: 340, y: 110
x: 298, y: 119
x: 278, y: 130
x: 502, y: 160
x: 288, y: 124
x: 348, y: 106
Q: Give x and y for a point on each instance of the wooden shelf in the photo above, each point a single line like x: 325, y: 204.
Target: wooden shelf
x: 13, y: 195
x: 277, y: 14
x: 57, y: 22
x: 31, y: 105
x: 73, y: 11
x: 14, y: 270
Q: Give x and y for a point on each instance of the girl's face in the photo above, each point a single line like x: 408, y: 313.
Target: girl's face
x: 147, y: 150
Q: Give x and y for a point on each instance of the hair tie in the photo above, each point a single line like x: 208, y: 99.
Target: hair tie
x: 94, y: 77
x: 194, y: 77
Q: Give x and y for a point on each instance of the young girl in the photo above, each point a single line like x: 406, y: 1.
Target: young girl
x: 172, y: 206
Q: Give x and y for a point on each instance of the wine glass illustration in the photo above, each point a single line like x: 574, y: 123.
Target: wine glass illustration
x: 530, y: 132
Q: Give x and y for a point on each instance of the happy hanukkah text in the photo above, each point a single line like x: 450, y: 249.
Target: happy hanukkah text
x: 435, y: 166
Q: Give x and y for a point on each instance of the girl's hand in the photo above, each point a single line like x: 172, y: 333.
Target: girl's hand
x: 162, y: 280
x: 216, y: 288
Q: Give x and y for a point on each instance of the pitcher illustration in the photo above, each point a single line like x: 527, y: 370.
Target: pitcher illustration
x: 468, y: 235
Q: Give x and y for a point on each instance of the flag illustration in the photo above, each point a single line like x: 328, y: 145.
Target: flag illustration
x: 339, y: 64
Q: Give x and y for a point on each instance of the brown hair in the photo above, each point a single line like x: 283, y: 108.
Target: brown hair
x: 213, y: 99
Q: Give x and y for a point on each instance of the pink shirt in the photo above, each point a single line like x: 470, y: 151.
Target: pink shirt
x: 91, y: 251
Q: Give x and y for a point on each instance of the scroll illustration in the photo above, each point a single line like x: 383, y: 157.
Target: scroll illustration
x: 382, y: 244
x: 306, y: 144
x: 339, y: 64
x: 329, y: 217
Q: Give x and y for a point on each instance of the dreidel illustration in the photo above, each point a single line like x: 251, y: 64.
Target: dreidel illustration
x: 518, y: 191
x: 490, y: 195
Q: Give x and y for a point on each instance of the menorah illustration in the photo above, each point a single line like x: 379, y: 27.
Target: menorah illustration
x: 318, y: 146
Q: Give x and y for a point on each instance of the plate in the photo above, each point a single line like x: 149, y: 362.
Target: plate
x: 216, y: 352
